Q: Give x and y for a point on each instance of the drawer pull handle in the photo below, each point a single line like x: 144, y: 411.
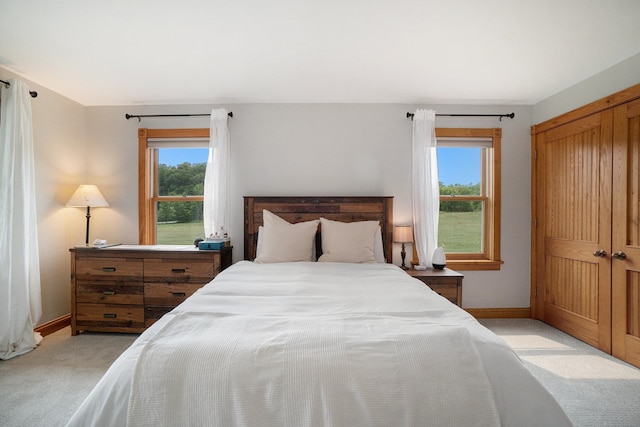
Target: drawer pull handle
x: 110, y: 315
x: 178, y: 294
x: 109, y: 269
x: 108, y: 292
x: 178, y: 270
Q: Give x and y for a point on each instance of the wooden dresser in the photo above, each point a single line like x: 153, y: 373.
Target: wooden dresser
x: 446, y: 282
x: 127, y: 288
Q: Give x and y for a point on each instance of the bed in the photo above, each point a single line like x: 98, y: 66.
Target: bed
x: 319, y: 341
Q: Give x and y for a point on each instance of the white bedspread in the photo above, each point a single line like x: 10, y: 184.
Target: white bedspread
x: 207, y: 369
x: 307, y: 344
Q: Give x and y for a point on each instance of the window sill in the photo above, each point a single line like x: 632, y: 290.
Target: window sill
x: 465, y: 265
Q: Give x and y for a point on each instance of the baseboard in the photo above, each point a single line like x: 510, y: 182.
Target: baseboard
x: 54, y: 325
x: 500, y: 313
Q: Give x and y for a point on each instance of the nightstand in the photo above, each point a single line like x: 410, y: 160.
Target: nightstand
x: 446, y: 282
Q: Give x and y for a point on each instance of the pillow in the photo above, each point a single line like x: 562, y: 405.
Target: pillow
x: 348, y: 241
x: 378, y: 249
x: 281, y: 241
x: 259, y: 244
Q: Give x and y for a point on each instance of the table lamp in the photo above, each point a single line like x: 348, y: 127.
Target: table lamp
x: 89, y: 196
x: 403, y: 234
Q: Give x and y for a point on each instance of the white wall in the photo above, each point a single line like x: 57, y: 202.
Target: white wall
x: 321, y: 149
x: 614, y: 79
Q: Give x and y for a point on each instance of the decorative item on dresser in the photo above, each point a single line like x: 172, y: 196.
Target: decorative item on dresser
x: 127, y: 288
x: 445, y: 282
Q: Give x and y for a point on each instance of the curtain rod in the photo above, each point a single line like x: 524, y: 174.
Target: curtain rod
x: 511, y: 116
x: 33, y: 93
x: 129, y: 116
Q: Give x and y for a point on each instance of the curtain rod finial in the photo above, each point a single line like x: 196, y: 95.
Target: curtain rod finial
x: 129, y: 116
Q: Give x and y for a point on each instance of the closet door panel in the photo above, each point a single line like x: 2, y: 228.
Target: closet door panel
x: 626, y: 234
x: 574, y: 204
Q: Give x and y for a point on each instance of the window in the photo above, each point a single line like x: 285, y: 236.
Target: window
x: 469, y: 171
x: 172, y: 165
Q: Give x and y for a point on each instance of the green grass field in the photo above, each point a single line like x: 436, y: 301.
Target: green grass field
x: 181, y: 233
x: 459, y: 232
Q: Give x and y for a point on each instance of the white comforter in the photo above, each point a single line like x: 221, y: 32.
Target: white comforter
x: 306, y: 344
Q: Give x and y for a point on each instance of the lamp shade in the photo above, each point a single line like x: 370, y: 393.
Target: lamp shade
x: 403, y: 234
x: 87, y: 195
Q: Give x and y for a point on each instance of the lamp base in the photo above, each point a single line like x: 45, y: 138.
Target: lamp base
x: 86, y: 239
x: 403, y: 254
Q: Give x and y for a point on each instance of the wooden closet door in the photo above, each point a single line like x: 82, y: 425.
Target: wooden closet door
x: 626, y: 234
x: 573, y: 236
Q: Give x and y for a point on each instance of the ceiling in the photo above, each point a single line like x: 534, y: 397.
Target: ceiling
x: 126, y: 52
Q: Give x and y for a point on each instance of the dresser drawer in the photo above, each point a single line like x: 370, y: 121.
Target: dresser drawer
x: 108, y: 268
x: 447, y: 283
x: 110, y: 292
x: 168, y: 294
x: 152, y: 313
x: 447, y: 290
x: 110, y: 315
x: 178, y: 270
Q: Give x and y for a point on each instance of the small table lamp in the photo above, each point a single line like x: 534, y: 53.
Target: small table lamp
x: 403, y: 234
x: 89, y: 196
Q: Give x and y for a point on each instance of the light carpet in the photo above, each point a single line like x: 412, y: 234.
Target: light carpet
x: 45, y: 387
x: 594, y: 388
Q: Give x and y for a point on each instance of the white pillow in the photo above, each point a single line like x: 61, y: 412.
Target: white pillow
x: 378, y: 249
x: 281, y: 241
x: 259, y: 244
x: 348, y: 241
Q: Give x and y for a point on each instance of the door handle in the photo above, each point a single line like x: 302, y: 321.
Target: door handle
x: 619, y: 255
x: 601, y: 253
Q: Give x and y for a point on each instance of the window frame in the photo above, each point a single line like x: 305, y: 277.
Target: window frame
x: 147, y: 193
x: 491, y: 166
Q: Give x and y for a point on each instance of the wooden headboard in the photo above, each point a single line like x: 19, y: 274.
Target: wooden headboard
x: 299, y: 209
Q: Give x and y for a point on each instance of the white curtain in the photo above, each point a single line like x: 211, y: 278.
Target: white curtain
x: 426, y: 189
x: 20, y: 303
x: 216, y: 179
